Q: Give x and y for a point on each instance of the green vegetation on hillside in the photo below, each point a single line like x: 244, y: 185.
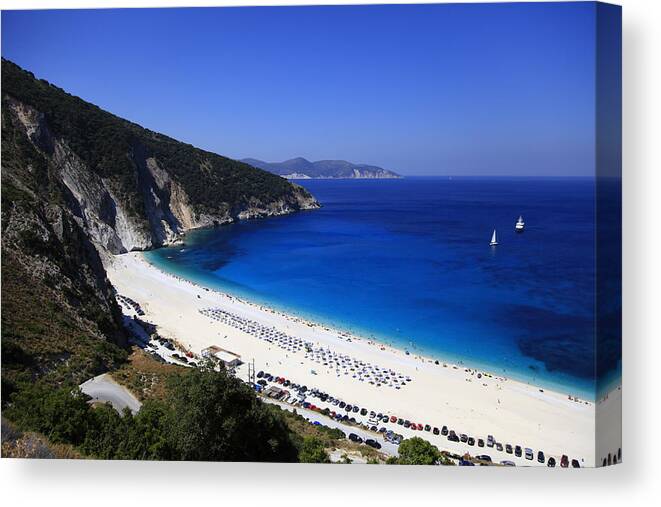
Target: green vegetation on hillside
x: 152, y: 381
x: 417, y: 451
x: 60, y: 322
x: 313, y: 451
x: 19, y: 444
x: 108, y: 145
x: 206, y: 416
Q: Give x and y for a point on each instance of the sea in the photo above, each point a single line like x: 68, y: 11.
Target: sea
x: 408, y: 262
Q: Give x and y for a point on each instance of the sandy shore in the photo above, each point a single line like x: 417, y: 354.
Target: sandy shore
x: 511, y: 411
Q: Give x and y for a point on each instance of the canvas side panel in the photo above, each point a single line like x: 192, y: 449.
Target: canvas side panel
x: 608, y: 422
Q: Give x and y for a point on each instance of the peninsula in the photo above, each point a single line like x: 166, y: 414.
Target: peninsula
x: 300, y: 168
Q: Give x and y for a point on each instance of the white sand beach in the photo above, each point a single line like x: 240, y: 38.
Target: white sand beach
x: 513, y: 412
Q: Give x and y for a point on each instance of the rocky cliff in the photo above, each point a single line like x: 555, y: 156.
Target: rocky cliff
x: 79, y: 183
x: 130, y: 188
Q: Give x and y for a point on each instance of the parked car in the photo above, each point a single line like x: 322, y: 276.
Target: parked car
x: 373, y: 443
x: 436, y: 431
x: 490, y: 441
x: 564, y: 461
x: 463, y: 437
x: 508, y: 448
x: 471, y: 441
x: 517, y: 451
x: 444, y: 430
x: 575, y: 463
x: 499, y: 446
x: 480, y: 442
x: 529, y: 453
x: 355, y: 438
x: 551, y: 462
x: 540, y: 457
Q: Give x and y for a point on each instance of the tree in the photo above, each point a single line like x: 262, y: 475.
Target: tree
x: 313, y: 451
x: 207, y: 415
x: 150, y: 432
x: 416, y: 451
x: 60, y: 414
x: 215, y: 417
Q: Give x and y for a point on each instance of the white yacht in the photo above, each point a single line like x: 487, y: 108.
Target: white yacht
x: 494, y: 241
x: 519, y: 224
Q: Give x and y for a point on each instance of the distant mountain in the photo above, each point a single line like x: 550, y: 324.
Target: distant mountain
x: 300, y: 168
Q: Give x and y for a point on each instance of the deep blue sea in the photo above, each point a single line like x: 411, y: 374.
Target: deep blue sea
x: 408, y: 262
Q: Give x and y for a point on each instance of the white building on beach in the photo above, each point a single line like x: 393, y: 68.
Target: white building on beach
x: 228, y: 358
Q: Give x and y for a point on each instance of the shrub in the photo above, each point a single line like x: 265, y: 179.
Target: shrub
x: 313, y: 451
x: 416, y: 451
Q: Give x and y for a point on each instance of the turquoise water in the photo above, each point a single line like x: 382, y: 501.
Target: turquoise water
x: 408, y: 262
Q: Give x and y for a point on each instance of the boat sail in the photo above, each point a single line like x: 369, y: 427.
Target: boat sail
x: 494, y: 241
x: 519, y: 224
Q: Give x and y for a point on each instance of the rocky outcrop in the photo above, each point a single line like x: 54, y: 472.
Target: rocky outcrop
x: 168, y: 212
x: 373, y: 173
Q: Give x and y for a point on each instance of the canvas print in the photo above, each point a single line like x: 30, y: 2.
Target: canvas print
x: 378, y: 234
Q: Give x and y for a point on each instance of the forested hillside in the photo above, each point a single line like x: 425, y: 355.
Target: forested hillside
x: 78, y: 185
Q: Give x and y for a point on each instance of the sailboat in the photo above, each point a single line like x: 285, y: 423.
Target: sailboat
x: 519, y: 224
x: 494, y: 241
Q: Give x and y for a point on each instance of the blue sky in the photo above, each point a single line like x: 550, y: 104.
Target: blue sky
x: 473, y: 89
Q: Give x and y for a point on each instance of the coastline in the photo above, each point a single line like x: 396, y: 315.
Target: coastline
x: 470, y: 401
x: 392, y: 342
